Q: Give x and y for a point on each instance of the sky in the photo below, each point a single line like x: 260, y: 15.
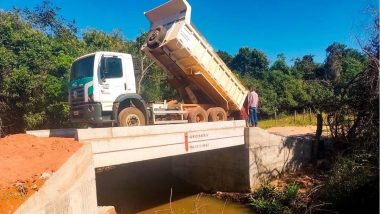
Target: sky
x: 292, y: 27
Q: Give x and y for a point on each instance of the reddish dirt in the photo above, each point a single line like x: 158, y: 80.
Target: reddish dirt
x: 23, y: 159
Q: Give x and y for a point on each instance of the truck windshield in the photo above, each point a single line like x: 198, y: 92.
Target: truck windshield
x: 82, y: 68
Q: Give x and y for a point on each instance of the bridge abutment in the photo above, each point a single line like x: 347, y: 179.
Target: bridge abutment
x: 241, y: 168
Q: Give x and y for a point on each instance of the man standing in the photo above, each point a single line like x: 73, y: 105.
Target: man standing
x: 253, y: 100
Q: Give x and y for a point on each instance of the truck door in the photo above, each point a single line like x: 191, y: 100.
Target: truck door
x: 112, y: 80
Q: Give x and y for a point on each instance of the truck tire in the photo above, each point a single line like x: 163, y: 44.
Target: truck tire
x: 197, y: 115
x: 131, y: 116
x: 216, y: 114
x: 155, y: 37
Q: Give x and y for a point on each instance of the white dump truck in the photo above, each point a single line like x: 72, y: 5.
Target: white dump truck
x: 103, y: 89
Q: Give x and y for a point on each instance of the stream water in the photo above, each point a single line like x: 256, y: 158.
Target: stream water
x: 148, y: 187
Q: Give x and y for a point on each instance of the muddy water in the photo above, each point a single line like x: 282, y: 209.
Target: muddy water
x: 145, y: 187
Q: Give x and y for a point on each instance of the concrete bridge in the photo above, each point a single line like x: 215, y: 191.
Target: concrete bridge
x: 218, y: 156
x: 120, y: 145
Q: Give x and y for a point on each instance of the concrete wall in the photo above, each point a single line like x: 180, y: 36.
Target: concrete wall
x: 240, y: 168
x: 271, y: 154
x: 71, y: 189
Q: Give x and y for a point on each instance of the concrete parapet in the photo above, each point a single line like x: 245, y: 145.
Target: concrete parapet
x: 69, y: 133
x: 121, y: 145
x: 120, y: 132
x: 72, y: 189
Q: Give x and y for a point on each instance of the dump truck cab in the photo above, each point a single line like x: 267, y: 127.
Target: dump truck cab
x: 99, y: 82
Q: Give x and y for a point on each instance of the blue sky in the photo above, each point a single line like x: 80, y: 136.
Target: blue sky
x: 292, y: 27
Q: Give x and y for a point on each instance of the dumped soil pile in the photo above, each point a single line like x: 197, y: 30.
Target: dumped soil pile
x: 26, y: 162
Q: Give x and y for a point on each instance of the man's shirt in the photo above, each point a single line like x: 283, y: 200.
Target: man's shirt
x: 253, y: 99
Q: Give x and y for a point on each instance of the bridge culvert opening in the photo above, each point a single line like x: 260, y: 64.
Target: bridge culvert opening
x: 145, y: 187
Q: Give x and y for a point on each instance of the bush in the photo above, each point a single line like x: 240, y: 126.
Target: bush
x: 353, y: 185
x: 267, y: 199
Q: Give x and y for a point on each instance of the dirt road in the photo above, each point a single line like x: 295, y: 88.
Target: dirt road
x: 293, y: 130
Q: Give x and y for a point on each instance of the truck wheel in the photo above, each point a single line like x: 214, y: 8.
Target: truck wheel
x: 216, y: 114
x: 131, y: 116
x: 197, y: 115
x: 155, y: 37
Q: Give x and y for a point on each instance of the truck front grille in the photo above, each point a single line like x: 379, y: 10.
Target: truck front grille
x: 77, y: 96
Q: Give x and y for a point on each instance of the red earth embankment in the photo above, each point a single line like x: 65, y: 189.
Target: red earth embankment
x: 26, y: 162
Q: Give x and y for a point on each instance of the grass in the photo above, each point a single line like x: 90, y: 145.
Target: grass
x: 268, y: 200
x: 289, y: 120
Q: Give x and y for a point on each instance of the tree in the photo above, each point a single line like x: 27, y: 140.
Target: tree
x: 250, y: 61
x: 45, y: 18
x: 96, y: 40
x: 280, y: 64
x: 269, y: 100
x: 226, y: 57
x: 145, y: 64
x: 34, y: 68
x: 334, y: 61
x: 305, y: 68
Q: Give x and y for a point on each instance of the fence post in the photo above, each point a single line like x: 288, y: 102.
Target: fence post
x: 295, y: 113
x: 275, y: 118
x: 303, y: 115
x: 309, y: 115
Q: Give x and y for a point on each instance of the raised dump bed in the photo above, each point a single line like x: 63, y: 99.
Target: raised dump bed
x: 192, y: 66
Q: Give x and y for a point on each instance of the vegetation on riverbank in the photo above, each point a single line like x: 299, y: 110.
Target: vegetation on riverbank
x: 267, y: 199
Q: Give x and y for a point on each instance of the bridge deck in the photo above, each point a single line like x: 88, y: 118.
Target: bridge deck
x: 120, y: 145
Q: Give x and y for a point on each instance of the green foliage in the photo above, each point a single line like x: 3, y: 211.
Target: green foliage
x: 250, y: 61
x: 290, y: 192
x: 269, y: 100
x: 226, y: 57
x: 268, y: 200
x: 305, y: 68
x: 58, y: 114
x: 154, y: 88
x: 280, y: 64
x: 96, y: 40
x: 45, y: 18
x: 353, y: 184
x: 334, y: 61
